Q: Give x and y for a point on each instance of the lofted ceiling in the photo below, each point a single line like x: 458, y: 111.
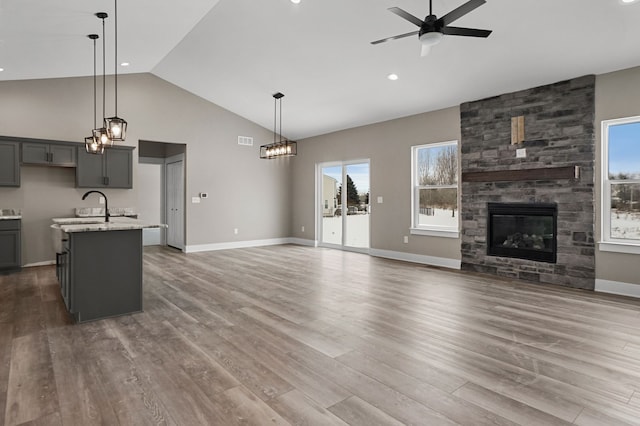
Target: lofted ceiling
x: 237, y: 53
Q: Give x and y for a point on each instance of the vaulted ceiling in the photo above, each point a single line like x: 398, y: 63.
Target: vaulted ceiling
x: 237, y: 53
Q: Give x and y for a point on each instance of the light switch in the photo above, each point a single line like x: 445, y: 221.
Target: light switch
x: 195, y: 200
x: 521, y: 153
x: 379, y: 200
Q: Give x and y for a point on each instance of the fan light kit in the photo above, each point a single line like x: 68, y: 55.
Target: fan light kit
x: 392, y: 77
x: 432, y: 29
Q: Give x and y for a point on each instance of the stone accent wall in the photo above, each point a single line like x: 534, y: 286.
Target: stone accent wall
x: 559, y: 132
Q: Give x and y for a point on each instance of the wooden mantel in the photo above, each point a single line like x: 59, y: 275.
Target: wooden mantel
x: 543, y: 173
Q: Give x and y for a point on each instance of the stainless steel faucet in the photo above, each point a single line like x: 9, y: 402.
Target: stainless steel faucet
x: 106, y: 203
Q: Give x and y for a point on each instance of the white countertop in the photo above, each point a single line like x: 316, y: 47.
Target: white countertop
x: 77, y: 224
x: 8, y: 214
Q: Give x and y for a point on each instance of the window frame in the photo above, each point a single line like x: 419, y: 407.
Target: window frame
x: 607, y: 242
x: 432, y: 230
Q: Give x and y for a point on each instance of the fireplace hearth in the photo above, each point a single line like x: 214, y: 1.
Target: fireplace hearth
x: 522, y: 230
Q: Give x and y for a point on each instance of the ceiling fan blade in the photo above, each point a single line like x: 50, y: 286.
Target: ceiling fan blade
x: 469, y: 32
x: 460, y: 12
x: 406, y: 15
x: 395, y: 37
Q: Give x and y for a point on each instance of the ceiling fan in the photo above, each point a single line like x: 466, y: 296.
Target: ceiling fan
x: 433, y: 29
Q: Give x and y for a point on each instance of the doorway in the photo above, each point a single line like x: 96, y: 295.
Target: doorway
x: 164, y: 196
x: 343, y: 205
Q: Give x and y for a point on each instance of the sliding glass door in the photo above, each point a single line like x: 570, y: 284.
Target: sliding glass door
x: 343, y: 201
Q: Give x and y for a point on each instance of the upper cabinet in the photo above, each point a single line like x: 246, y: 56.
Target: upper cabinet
x: 49, y: 154
x: 9, y: 163
x: 113, y: 169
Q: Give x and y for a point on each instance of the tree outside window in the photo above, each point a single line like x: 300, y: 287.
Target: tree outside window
x: 435, y: 186
x: 621, y: 180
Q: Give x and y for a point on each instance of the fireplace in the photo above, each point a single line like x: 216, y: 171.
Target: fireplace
x: 523, y: 231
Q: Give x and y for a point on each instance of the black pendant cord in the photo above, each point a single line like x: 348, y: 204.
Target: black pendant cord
x: 430, y: 7
x: 116, y: 55
x: 280, y: 119
x: 104, y: 71
x: 275, y: 118
x: 95, y: 91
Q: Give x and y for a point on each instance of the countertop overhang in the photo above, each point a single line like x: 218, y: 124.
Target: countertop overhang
x: 74, y: 224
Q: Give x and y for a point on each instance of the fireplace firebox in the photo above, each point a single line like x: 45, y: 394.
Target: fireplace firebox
x: 523, y: 231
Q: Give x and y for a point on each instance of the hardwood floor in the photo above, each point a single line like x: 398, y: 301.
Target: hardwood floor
x: 305, y: 336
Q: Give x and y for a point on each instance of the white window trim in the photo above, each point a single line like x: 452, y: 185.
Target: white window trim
x: 607, y: 243
x: 432, y: 231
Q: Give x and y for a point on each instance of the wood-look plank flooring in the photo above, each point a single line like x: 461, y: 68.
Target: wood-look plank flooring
x: 290, y: 335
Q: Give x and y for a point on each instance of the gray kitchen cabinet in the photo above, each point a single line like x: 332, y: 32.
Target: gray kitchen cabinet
x: 113, y: 169
x: 9, y: 163
x: 49, y: 154
x: 95, y: 287
x: 10, y: 244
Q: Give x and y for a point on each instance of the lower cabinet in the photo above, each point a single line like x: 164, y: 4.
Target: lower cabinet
x: 10, y: 244
x: 100, y: 274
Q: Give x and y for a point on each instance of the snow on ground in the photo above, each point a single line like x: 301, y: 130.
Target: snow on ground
x: 625, y: 225
x: 441, y: 217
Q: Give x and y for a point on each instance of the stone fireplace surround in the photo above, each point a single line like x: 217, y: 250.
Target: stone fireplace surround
x: 559, y: 137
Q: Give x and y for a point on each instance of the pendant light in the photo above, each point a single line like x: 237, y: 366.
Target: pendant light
x: 279, y: 147
x: 92, y: 145
x: 116, y: 126
x: 101, y: 134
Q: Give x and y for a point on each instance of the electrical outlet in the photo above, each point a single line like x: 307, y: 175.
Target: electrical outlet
x: 195, y: 200
x: 235, y: 231
x: 101, y: 200
x: 406, y: 239
x: 303, y: 229
x: 521, y: 153
x: 379, y: 200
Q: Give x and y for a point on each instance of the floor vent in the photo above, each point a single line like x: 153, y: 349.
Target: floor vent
x: 245, y: 140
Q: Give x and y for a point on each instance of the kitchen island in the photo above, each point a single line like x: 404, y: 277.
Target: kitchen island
x: 100, y: 266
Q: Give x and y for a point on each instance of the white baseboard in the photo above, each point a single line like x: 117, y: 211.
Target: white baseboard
x: 417, y: 258
x: 303, y: 242
x: 617, y: 287
x: 235, y: 245
x: 45, y: 263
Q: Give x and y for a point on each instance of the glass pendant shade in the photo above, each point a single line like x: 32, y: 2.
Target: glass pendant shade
x: 116, y: 128
x: 92, y: 146
x: 101, y: 136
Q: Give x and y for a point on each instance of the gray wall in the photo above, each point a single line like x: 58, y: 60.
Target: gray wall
x: 245, y: 192
x: 388, y: 146
x: 617, y: 96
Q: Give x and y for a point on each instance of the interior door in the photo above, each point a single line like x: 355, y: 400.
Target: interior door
x: 175, y: 203
x: 343, y: 198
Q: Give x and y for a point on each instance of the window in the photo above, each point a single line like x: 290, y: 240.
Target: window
x: 434, y: 199
x: 621, y: 183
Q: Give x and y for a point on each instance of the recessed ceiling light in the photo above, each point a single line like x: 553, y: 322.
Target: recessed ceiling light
x: 295, y: 1
x: 392, y: 77
x: 1, y: 69
x: 125, y: 64
x: 628, y: 1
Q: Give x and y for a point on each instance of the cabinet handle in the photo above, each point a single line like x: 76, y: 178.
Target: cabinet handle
x: 51, y: 157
